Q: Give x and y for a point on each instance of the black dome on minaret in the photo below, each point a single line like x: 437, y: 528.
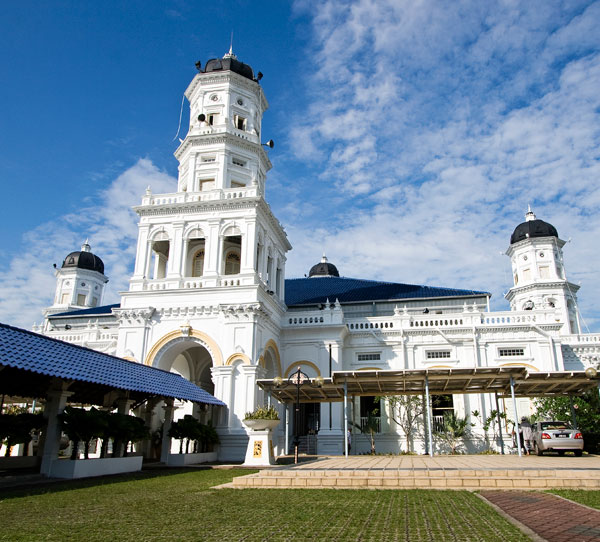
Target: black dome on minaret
x: 323, y: 269
x: 532, y: 227
x: 84, y: 259
x: 231, y: 63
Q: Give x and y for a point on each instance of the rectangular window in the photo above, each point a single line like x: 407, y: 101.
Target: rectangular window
x: 544, y: 272
x: 206, y: 159
x: 213, y: 118
x: 64, y: 299
x: 238, y: 162
x: 438, y: 354
x: 206, y: 184
x: 81, y: 299
x: 526, y: 274
x: 511, y: 352
x: 94, y: 301
x: 369, y: 356
x: 236, y: 184
x: 240, y: 122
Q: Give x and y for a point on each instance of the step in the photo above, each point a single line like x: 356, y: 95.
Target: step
x: 420, y: 482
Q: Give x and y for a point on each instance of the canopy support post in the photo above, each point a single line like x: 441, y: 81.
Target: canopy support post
x: 517, y: 428
x: 499, y: 423
x: 345, y: 418
x: 428, y: 410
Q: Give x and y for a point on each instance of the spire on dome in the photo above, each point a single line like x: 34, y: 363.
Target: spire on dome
x: 324, y: 258
x: 529, y: 215
x: 230, y: 53
x: 86, y: 246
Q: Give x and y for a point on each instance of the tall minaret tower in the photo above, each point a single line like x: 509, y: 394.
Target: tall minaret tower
x: 216, y: 231
x: 539, y: 275
x: 79, y: 282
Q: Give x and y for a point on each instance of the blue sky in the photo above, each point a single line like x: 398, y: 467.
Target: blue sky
x: 410, y: 136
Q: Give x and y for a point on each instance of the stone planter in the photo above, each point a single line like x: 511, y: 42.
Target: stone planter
x: 84, y: 468
x: 180, y: 460
x: 260, y: 446
x: 261, y: 425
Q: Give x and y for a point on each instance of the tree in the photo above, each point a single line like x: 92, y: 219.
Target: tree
x: 490, y: 423
x: 405, y: 411
x: 17, y: 428
x: 454, y: 428
x: 587, y: 408
x: 370, y: 427
x: 77, y: 425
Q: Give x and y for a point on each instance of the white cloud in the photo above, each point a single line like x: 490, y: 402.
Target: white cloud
x: 442, y: 124
x: 27, y: 284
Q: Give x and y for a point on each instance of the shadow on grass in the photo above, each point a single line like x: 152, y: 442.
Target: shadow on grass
x: 46, y: 486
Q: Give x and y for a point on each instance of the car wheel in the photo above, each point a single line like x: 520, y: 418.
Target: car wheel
x: 578, y: 453
x: 537, y: 449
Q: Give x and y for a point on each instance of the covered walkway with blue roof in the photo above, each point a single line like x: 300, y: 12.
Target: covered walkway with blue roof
x: 39, y: 367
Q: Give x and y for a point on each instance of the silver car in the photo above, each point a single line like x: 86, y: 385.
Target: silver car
x: 558, y: 437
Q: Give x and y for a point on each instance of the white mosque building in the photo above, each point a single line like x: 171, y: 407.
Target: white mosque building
x: 209, y: 298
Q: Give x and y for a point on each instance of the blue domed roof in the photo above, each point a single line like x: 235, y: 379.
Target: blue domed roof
x: 84, y: 259
x: 532, y: 227
x: 323, y: 269
x: 231, y: 63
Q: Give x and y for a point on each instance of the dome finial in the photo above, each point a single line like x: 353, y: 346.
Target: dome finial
x: 86, y: 246
x: 324, y: 258
x: 530, y: 215
x: 230, y: 53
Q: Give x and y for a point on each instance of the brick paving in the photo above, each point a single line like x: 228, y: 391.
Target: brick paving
x: 550, y: 517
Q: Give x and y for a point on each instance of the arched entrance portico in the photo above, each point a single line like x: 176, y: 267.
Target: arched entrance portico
x: 192, y: 357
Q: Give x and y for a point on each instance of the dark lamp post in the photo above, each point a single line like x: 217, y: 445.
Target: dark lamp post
x: 298, y: 379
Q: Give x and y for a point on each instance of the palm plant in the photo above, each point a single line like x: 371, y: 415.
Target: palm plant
x: 453, y: 430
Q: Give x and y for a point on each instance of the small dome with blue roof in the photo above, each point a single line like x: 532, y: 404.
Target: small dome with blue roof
x: 323, y: 269
x: 84, y: 259
x: 532, y: 227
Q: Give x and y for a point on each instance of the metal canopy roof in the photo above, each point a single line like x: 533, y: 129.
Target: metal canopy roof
x: 29, y: 362
x: 441, y: 382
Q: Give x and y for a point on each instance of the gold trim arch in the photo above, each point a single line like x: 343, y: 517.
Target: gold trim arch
x: 209, y: 343
x: 298, y: 363
x: 516, y: 364
x: 271, y: 344
x: 240, y: 356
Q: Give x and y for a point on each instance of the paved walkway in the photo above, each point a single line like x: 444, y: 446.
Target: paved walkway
x: 550, y: 517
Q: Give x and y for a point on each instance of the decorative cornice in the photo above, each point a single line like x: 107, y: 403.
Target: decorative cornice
x: 139, y: 315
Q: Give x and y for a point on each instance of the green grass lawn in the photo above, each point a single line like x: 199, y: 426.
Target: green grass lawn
x: 582, y: 496
x: 180, y: 506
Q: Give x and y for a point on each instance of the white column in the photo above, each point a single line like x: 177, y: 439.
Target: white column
x: 514, y: 400
x: 166, y: 439
x: 141, y: 252
x: 428, y: 410
x: 249, y: 247
x: 55, y: 404
x: 175, y: 251
x: 222, y: 377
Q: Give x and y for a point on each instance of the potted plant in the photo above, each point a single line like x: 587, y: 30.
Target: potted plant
x: 261, y: 418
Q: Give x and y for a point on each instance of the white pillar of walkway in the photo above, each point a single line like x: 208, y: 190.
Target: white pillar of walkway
x: 166, y: 439
x: 517, y: 437
x: 428, y: 410
x: 345, y: 418
x: 56, y: 400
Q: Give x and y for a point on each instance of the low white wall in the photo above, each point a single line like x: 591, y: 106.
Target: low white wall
x: 84, y: 468
x: 180, y: 460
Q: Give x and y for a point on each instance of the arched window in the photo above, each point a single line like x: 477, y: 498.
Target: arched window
x: 232, y: 263
x: 198, y: 264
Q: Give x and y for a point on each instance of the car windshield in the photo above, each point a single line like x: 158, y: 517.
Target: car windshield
x: 555, y: 425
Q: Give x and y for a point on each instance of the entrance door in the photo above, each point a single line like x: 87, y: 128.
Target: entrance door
x: 309, y: 418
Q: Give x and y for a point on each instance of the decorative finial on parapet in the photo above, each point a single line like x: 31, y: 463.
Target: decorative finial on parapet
x: 148, y: 191
x: 396, y: 310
